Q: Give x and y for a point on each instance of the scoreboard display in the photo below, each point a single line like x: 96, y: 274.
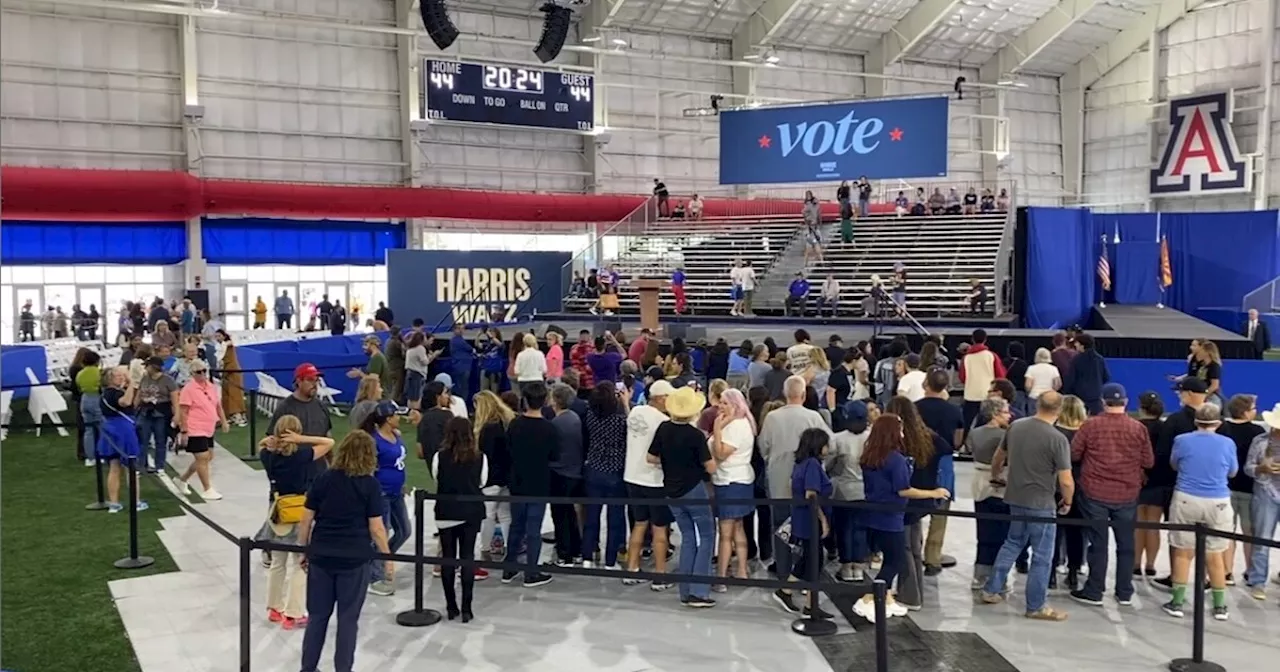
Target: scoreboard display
x: 508, y: 96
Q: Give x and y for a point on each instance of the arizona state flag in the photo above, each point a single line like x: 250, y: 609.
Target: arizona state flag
x: 1166, y: 271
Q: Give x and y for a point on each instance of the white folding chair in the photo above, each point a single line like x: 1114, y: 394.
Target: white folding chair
x: 45, y: 401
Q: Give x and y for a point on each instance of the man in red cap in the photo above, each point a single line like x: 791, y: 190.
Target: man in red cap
x: 305, y: 405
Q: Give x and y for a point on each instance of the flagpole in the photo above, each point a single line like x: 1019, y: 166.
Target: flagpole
x: 1160, y: 303
x: 1102, y: 303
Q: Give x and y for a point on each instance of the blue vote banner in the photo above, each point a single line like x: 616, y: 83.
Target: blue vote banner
x: 473, y: 287
x: 882, y: 139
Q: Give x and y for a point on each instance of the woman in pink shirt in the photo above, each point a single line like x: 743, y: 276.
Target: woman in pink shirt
x: 199, y: 414
x: 555, y: 357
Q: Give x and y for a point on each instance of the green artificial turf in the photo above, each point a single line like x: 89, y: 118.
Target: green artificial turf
x: 57, y: 558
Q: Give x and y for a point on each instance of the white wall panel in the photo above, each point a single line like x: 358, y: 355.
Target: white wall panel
x: 817, y: 79
x: 964, y: 162
x: 289, y: 103
x: 1034, y: 163
x: 86, y: 88
x: 644, y: 100
x: 1117, y: 144
x: 510, y: 159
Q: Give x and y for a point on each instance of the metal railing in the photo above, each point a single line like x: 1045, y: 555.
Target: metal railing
x: 1265, y: 299
x: 627, y: 230
x: 1004, y: 256
x: 882, y: 191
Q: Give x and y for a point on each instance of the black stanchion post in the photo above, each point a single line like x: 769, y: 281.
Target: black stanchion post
x: 419, y: 616
x: 246, y: 645
x: 99, y: 505
x: 880, y: 591
x: 134, y: 561
x: 1197, y: 663
x: 253, y: 426
x: 811, y: 625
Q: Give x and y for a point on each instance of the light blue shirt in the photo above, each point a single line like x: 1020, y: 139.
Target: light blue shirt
x: 1204, y: 461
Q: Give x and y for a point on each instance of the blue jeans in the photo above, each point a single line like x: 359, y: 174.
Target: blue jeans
x: 526, y: 524
x: 1124, y: 515
x: 462, y: 384
x: 154, y: 426
x: 396, y: 519
x: 864, y: 208
x: 991, y: 533
x: 1041, y: 536
x: 851, y: 536
x: 91, y: 416
x: 601, y: 484
x: 1266, y: 517
x: 327, y: 589
x: 697, y: 537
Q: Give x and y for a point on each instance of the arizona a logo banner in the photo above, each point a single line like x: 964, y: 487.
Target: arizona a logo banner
x: 1201, y: 156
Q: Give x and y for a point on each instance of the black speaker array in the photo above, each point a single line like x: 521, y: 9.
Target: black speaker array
x: 440, y: 28
x: 555, y: 30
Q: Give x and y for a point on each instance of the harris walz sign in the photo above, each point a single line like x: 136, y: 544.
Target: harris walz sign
x: 473, y: 287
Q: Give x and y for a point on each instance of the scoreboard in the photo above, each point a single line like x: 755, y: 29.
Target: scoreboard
x: 508, y: 96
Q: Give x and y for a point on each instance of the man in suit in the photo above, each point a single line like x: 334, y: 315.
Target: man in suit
x: 1257, y: 333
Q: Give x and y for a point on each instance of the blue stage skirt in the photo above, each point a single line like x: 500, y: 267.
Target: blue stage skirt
x: 119, y: 437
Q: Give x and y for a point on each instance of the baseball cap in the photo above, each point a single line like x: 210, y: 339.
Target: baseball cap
x: 661, y: 388
x: 1193, y: 385
x: 446, y: 380
x: 855, y: 411
x: 306, y: 371
x: 654, y: 372
x: 1114, y: 392
x: 155, y: 361
x: 385, y: 409
x: 913, y: 360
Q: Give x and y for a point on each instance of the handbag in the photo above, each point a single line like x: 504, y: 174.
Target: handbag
x: 287, y: 509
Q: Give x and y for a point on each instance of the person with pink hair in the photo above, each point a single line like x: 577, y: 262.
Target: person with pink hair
x: 731, y: 442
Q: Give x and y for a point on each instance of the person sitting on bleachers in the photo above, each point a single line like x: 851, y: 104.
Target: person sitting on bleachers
x: 578, y: 287
x: 953, y: 202
x: 593, y: 284
x: 830, y: 297
x: 937, y: 202
x: 988, y: 201
x: 1002, y: 201
x: 971, y: 202
x: 798, y: 296
x: 977, y: 296
x: 695, y: 208
x: 901, y: 205
x: 678, y: 213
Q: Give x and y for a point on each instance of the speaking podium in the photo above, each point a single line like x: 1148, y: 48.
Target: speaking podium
x: 649, y: 289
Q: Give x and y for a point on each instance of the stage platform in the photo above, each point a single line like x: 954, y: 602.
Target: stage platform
x: 1144, y: 332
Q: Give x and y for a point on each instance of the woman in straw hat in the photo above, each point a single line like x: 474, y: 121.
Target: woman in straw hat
x: 681, y: 449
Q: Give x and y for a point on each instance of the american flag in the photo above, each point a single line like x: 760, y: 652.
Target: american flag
x: 1104, y: 267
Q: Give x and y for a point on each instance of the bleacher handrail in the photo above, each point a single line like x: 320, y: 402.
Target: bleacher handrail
x: 1005, y: 253
x: 643, y: 215
x: 1263, y: 299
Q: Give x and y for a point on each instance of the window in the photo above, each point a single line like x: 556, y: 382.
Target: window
x: 6, y: 275
x: 91, y: 275
x: 311, y: 273
x: 233, y: 272
x: 260, y: 274
x: 363, y: 273
x: 285, y: 273
x: 28, y: 275
x: 148, y: 274
x: 336, y: 273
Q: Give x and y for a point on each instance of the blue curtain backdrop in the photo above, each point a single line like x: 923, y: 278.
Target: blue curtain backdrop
x: 1136, y: 273
x: 1133, y: 227
x: 325, y: 242
x: 1062, y: 250
x: 1218, y: 257
x: 37, y: 243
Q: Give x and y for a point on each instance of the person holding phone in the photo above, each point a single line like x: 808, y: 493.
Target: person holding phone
x: 384, y: 426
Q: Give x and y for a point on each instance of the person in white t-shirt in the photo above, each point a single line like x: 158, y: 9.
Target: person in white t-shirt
x: 911, y: 383
x: 695, y: 208
x: 1043, y: 376
x: 735, y: 288
x: 457, y: 405
x: 644, y: 480
x: 798, y: 354
x: 731, y: 443
x: 748, y: 287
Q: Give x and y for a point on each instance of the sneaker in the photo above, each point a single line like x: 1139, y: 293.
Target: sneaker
x: 1220, y: 613
x: 89, y: 462
x: 719, y: 588
x: 786, y: 600
x: 508, y: 577
x: 866, y: 608
x: 211, y: 495
x: 383, y: 588
x: 1231, y: 579
x: 435, y: 571
x: 143, y: 506
x: 990, y: 598
x: 818, y: 613
x: 851, y: 575
x: 572, y: 562
x: 294, y: 623
x: 894, y: 608
x: 660, y: 586
x: 274, y: 616
x: 1164, y: 583
x: 695, y: 602
x: 932, y: 570
x: 1080, y: 596
x: 647, y: 553
x: 184, y: 488
x: 632, y: 582
x: 1124, y: 601
x: 909, y: 607
x: 114, y: 508
x: 588, y: 564
x: 480, y: 574
x: 1174, y: 610
x: 1258, y: 593
x: 537, y: 580
x: 1047, y: 614
x: 1020, y: 567
x: 978, y: 583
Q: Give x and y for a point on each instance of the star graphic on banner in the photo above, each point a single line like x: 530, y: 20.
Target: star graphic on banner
x: 764, y: 141
x: 895, y: 135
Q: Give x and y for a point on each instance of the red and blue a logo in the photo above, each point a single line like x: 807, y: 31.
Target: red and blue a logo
x: 1201, y: 155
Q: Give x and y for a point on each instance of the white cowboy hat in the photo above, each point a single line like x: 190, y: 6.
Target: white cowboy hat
x: 685, y: 402
x: 1272, y: 417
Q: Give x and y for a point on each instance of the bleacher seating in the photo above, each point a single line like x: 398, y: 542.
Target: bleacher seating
x: 941, y: 254
x: 706, y: 250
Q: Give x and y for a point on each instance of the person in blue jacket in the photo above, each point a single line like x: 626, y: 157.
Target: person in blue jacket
x: 462, y: 356
x: 797, y: 295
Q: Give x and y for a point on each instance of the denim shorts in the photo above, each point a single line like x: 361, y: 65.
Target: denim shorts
x: 734, y: 491
x: 414, y: 383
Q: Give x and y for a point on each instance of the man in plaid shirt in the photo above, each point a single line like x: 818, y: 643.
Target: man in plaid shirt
x: 582, y: 348
x: 1113, y: 450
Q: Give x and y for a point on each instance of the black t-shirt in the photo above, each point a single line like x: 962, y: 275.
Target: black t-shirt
x: 1016, y: 373
x: 1243, y: 434
x: 864, y: 191
x: 660, y: 189
x: 288, y: 474
x: 943, y: 417
x: 110, y: 403
x: 970, y: 199
x: 925, y: 477
x: 493, y: 443
x: 1205, y: 372
x: 534, y: 443
x: 1177, y: 424
x: 682, y: 448
x: 431, y: 431
x: 840, y: 381
x: 343, y: 506
x: 842, y: 192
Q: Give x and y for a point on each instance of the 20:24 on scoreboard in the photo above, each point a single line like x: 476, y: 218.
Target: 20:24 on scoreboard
x: 508, y: 95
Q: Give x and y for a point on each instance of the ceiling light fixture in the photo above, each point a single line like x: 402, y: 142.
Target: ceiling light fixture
x: 771, y: 59
x: 593, y: 38
x: 619, y: 41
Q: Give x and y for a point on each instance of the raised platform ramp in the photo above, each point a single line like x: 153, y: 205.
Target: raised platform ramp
x: 1172, y: 331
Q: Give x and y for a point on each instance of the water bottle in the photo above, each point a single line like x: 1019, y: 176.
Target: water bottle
x: 497, y: 545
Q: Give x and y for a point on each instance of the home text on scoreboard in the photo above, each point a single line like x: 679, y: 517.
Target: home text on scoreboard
x: 508, y: 95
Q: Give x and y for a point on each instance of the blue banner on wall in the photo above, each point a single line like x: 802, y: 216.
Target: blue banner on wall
x: 882, y: 139
x: 473, y: 287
